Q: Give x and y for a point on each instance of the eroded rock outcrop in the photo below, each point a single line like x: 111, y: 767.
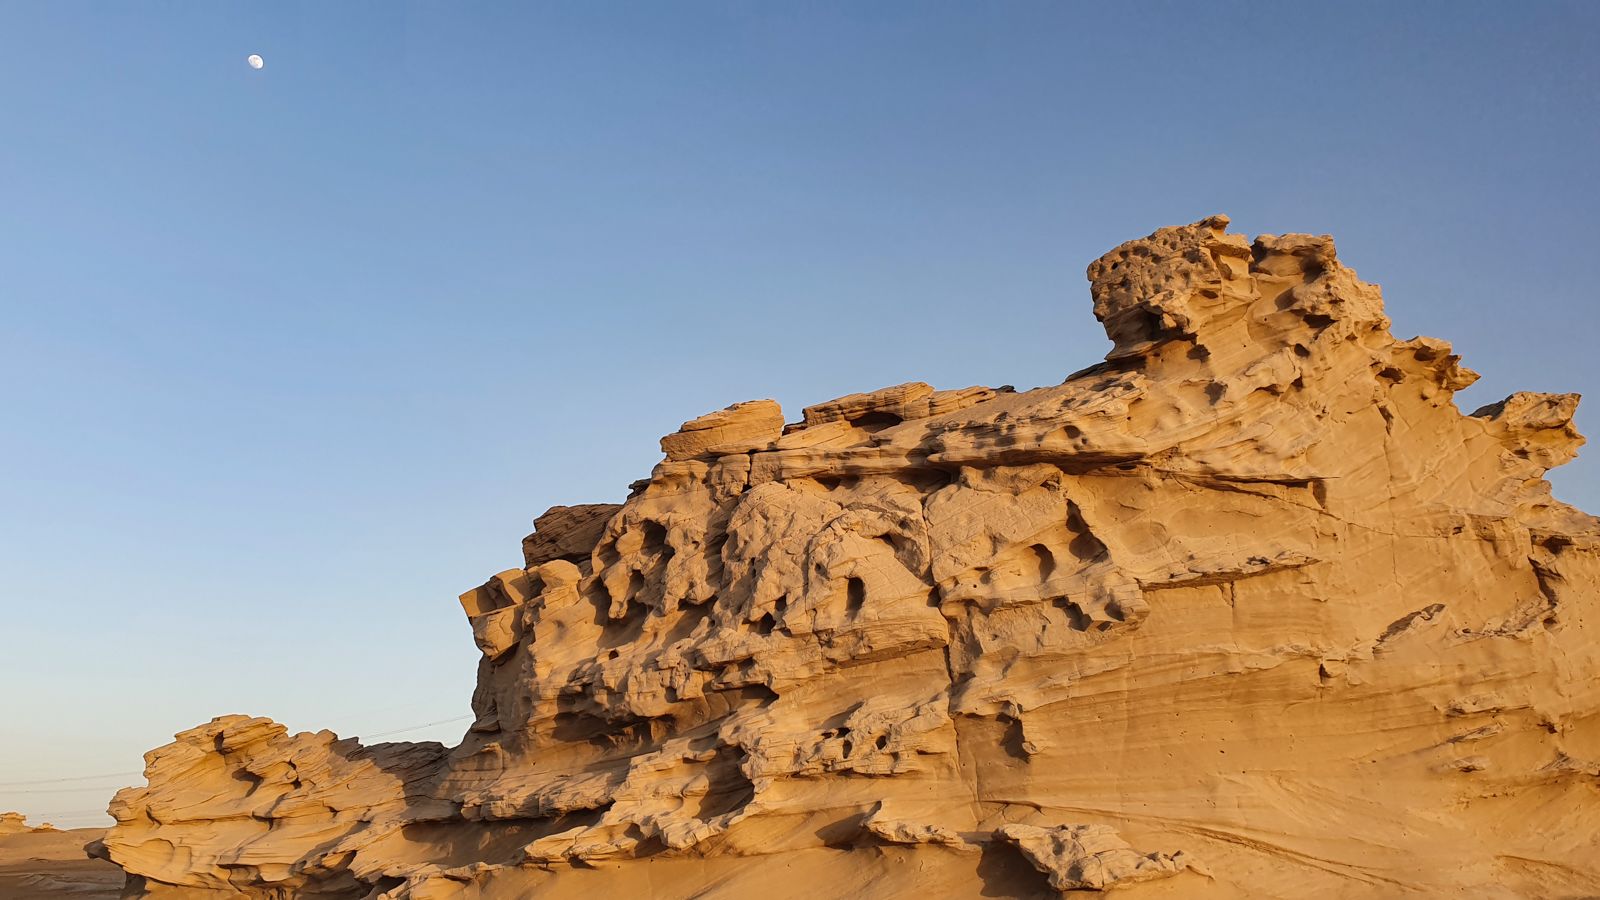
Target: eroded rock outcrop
x: 17, y: 823
x: 1089, y: 857
x: 1248, y: 609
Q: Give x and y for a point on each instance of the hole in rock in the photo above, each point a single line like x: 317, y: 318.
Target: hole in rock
x: 929, y: 480
x: 876, y: 421
x: 1044, y: 561
x: 1153, y: 324
x: 855, y: 595
x: 1076, y: 617
x: 655, y: 535
x: 1084, y: 545
x: 603, y: 734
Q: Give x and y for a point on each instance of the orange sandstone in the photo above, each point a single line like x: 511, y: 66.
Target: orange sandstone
x: 1248, y: 609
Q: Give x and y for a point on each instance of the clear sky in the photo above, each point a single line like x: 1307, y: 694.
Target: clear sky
x: 291, y: 357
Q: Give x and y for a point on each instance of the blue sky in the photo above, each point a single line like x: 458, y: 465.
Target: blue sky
x: 291, y: 357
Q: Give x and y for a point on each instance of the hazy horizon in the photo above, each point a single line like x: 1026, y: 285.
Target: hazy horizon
x: 294, y: 355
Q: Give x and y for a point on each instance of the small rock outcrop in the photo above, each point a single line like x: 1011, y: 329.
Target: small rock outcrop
x: 1250, y: 608
x: 17, y: 823
x: 1089, y: 857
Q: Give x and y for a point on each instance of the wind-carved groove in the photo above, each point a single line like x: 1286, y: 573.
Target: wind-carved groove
x: 1406, y: 624
x: 766, y: 624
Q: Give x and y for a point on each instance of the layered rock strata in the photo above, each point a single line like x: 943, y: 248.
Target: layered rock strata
x: 1248, y: 609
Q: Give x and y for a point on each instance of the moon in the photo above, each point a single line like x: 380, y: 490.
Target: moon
x: 255, y: 61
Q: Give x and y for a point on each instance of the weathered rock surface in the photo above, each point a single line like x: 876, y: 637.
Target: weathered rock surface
x: 567, y: 532
x: 1251, y: 609
x: 17, y: 823
x: 1088, y: 856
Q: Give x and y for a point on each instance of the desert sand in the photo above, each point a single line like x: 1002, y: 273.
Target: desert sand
x: 1248, y: 609
x: 46, y: 862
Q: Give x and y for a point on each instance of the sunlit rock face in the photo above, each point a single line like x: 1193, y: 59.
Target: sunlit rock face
x: 1250, y: 609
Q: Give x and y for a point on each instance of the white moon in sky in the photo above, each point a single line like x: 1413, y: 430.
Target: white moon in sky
x: 255, y: 61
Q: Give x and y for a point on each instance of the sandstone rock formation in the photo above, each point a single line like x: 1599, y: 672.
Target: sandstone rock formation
x: 17, y: 823
x: 1250, y: 609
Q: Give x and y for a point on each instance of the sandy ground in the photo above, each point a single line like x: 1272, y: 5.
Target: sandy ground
x: 52, y: 864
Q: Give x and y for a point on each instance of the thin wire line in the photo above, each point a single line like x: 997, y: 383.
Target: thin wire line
x: 416, y: 727
x: 80, y: 790
x: 4, y: 784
